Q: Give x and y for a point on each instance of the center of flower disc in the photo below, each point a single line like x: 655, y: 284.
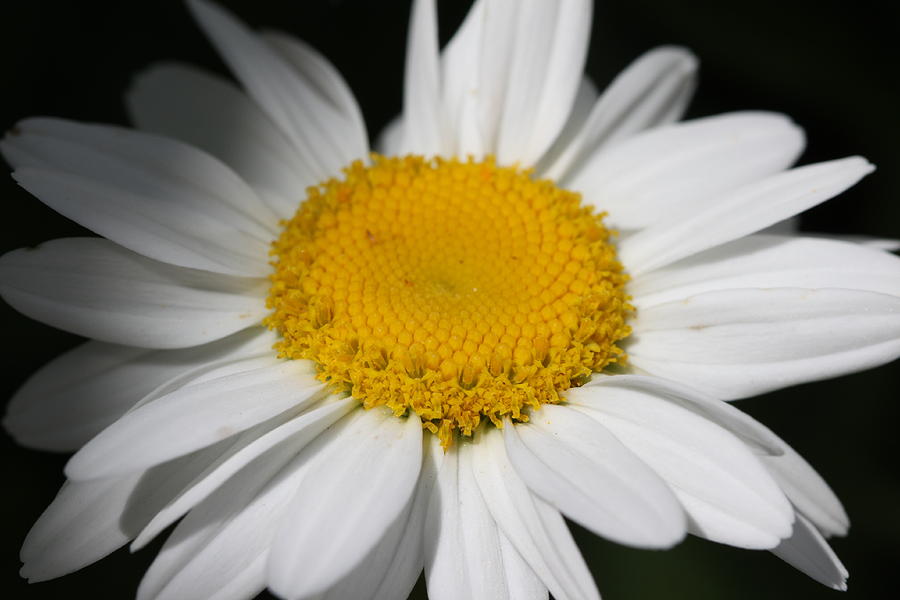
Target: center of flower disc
x: 456, y: 290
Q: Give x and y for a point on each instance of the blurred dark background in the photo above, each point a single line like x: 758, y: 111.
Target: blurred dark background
x: 833, y: 66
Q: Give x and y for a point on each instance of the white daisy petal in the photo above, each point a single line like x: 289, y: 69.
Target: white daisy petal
x: 301, y: 430
x: 727, y: 493
x: 739, y: 213
x: 536, y: 529
x: 651, y: 91
x: 461, y: 539
x: 422, y: 115
x: 522, y: 582
x: 809, y: 493
x: 546, y: 53
x: 390, y: 139
x: 88, y: 520
x: 575, y: 464
x: 754, y: 434
x: 74, y: 397
x: 683, y: 169
x: 769, y: 261
x: 221, y: 547
x: 392, y: 568
x: 97, y: 289
x: 738, y: 343
x: 322, y: 136
x: 350, y: 497
x: 461, y: 99
x: 315, y: 68
x: 198, y: 415
x: 808, y: 551
x: 585, y: 98
x: 191, y: 105
x: 158, y: 197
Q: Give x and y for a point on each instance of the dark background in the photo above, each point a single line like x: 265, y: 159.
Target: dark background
x: 832, y: 66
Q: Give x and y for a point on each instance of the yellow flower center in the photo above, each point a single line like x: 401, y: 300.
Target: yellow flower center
x: 456, y: 290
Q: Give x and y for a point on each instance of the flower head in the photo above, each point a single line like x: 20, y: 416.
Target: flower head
x: 338, y: 367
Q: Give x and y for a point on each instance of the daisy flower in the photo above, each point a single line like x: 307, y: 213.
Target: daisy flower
x: 335, y: 365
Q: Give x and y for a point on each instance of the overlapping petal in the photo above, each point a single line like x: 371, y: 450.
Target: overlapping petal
x: 198, y: 415
x: 97, y: 289
x: 153, y: 195
x: 735, y: 343
x: 77, y: 395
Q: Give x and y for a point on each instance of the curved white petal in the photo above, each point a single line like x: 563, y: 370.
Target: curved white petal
x: 652, y: 91
x: 97, y: 289
x: 158, y: 197
x: 809, y: 493
x: 74, y: 397
x: 314, y: 68
x: 510, y: 76
x: 585, y: 98
x: 324, y: 138
x: 750, y: 431
x: 391, y: 569
x: 390, y: 140
x: 88, y: 520
x: 683, y: 169
x: 522, y: 582
x: 464, y: 555
x: 536, y: 529
x: 807, y: 551
x: 771, y: 261
x: 191, y: 105
x: 220, y: 549
x: 350, y: 497
x: 738, y: 343
x: 461, y: 99
x: 547, y: 49
x: 727, y: 493
x: 197, y: 415
x: 739, y: 213
x: 575, y: 464
x: 300, y: 430
x: 423, y: 128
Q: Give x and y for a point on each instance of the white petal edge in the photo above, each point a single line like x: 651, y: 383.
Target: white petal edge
x: 156, y: 196
x: 392, y: 568
x: 683, y: 169
x: 652, y: 91
x: 197, y: 415
x: 751, y: 432
x: 311, y: 66
x: 78, y: 394
x: 807, y: 551
x: 463, y: 551
x: 738, y: 343
x: 305, y: 426
x: 220, y: 549
x: 423, y: 128
x: 97, y: 289
x: 809, y: 493
x: 349, y: 499
x: 547, y: 52
x: 536, y: 529
x: 575, y: 464
x: 88, y: 520
x: 771, y: 261
x: 206, y: 111
x: 739, y: 213
x: 323, y: 137
x: 728, y: 494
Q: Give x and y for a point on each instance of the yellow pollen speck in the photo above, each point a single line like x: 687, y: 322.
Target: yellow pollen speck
x: 456, y: 290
